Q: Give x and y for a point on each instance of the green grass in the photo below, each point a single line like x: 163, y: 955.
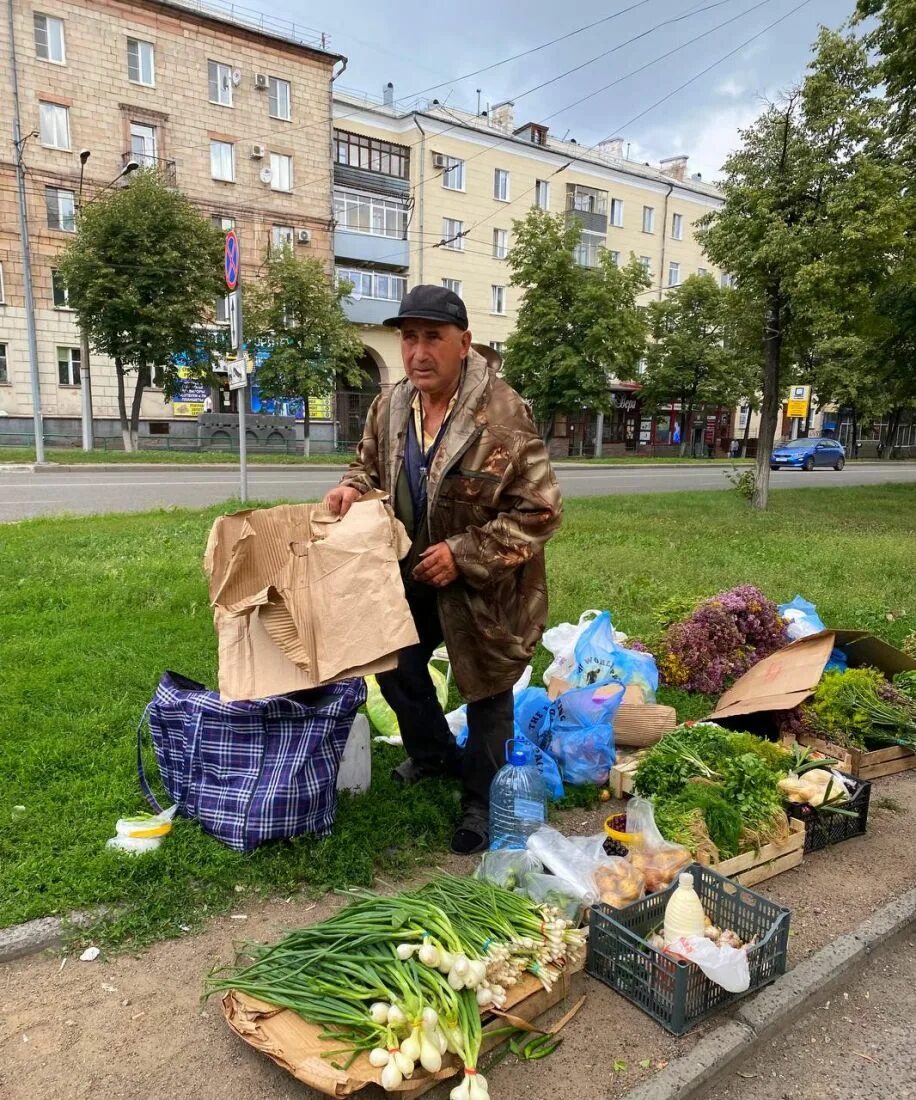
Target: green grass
x: 73, y: 456
x: 94, y: 609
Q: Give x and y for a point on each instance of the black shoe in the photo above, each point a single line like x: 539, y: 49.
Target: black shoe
x: 408, y: 771
x: 473, y: 834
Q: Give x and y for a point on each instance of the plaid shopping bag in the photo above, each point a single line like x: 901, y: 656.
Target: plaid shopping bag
x: 250, y: 771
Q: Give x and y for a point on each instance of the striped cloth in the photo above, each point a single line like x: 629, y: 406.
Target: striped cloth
x: 251, y: 771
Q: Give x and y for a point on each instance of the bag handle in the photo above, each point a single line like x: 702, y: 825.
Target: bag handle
x: 141, y: 771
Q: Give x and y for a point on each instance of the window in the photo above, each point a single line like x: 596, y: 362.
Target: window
x: 726, y: 281
x: 677, y: 226
x: 701, y: 271
x: 220, y: 83
x: 646, y: 262
x: 281, y: 172
x: 648, y: 219
x: 453, y: 234
x: 500, y: 244
x: 61, y: 206
x: 587, y: 200
x: 586, y: 251
x: 373, y: 284
x: 279, y: 98
x: 4, y: 369
x: 453, y: 174
x: 454, y: 285
x: 542, y: 194
x: 59, y: 290
x: 54, y: 125
x: 140, y: 62
x: 154, y: 380
x: 370, y: 214
x: 49, y: 38
x: 223, y: 223
x: 501, y: 184
x: 68, y: 366
x: 499, y: 346
x: 2, y: 287
x: 280, y: 237
x: 642, y: 366
x: 615, y: 258
x: 617, y: 212
x: 222, y: 161
x: 371, y: 155
x: 497, y: 299
x: 143, y: 143
x: 674, y: 274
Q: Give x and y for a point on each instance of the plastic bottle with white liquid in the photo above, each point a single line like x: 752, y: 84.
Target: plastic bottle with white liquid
x: 684, y: 914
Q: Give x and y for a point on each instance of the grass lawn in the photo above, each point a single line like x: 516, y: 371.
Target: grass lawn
x: 94, y: 609
x: 73, y: 456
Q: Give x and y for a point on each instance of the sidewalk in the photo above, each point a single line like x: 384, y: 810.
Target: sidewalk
x: 132, y: 1027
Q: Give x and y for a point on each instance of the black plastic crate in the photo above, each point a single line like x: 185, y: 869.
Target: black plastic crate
x: 823, y: 827
x: 675, y: 993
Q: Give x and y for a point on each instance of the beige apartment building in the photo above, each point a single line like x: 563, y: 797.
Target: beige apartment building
x: 236, y: 116
x: 429, y: 196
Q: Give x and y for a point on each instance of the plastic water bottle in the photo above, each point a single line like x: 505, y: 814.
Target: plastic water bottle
x: 518, y: 801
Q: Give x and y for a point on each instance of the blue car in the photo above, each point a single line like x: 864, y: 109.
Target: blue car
x: 805, y: 454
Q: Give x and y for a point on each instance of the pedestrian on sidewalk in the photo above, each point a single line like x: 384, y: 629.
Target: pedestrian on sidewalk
x: 455, y: 448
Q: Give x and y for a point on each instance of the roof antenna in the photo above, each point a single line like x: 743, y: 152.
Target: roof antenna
x: 478, y: 101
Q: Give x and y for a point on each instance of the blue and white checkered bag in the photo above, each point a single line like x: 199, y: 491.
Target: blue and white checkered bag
x: 250, y: 771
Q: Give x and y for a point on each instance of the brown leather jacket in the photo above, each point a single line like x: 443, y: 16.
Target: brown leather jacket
x: 493, y: 497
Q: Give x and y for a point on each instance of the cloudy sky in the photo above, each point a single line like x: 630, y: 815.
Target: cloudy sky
x: 419, y: 44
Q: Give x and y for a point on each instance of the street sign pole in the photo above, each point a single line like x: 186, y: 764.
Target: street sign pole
x: 238, y: 382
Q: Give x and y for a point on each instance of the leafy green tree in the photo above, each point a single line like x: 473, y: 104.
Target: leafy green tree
x: 578, y: 328
x: 811, y: 214
x: 687, y: 359
x: 142, y: 273
x: 295, y: 311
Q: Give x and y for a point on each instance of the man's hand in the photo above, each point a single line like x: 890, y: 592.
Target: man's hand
x: 436, y: 566
x: 340, y: 499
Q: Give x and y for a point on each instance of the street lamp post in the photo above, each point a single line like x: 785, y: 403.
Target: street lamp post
x: 85, y: 377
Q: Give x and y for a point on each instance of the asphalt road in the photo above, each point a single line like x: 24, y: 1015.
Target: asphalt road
x: 85, y: 490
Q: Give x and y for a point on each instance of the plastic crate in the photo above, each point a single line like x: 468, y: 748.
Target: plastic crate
x: 675, y: 993
x: 823, y: 828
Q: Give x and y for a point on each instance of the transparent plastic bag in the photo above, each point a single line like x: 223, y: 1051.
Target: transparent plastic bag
x: 802, y: 621
x: 618, y: 882
x: 724, y: 965
x: 549, y: 890
x: 573, y: 860
x: 545, y: 764
x: 658, y: 859
x: 561, y: 641
x: 599, y: 657
x: 508, y: 869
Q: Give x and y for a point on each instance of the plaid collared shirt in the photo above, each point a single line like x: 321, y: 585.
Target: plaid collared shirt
x: 419, y: 426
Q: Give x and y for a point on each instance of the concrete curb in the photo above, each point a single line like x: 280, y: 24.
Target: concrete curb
x: 46, y: 932
x: 757, y: 1020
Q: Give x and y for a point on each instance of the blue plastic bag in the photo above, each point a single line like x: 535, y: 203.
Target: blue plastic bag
x: 803, y: 621
x: 545, y: 763
x: 581, y: 728
x: 531, y: 709
x: 599, y: 658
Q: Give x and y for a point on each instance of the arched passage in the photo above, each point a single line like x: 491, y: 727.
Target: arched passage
x: 353, y: 404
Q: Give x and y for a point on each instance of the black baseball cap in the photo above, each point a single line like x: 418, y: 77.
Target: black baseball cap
x: 431, y: 303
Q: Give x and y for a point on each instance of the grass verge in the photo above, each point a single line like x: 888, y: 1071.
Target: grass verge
x: 73, y: 457
x: 94, y: 609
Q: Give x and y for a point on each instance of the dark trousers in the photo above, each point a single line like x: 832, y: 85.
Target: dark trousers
x: 410, y: 693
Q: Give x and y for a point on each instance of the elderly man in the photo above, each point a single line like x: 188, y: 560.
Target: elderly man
x: 454, y: 447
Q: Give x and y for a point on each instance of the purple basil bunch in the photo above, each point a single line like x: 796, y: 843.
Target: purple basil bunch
x: 720, y: 641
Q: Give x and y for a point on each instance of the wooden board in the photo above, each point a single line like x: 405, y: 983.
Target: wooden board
x: 864, y: 765
x: 750, y: 868
x: 621, y: 778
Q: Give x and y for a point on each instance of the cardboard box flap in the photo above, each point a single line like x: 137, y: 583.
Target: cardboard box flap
x: 862, y: 648
x: 780, y: 681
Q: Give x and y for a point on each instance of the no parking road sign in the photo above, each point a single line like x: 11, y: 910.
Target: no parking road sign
x: 231, y: 260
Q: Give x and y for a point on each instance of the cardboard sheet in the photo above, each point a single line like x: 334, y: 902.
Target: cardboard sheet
x: 302, y: 598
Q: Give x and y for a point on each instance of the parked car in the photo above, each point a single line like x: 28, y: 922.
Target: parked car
x: 805, y: 454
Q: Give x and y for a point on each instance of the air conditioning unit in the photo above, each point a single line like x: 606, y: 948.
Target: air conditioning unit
x: 258, y: 152
x: 236, y: 77
x: 304, y: 236
x: 261, y: 81
x: 266, y: 175
x: 440, y: 160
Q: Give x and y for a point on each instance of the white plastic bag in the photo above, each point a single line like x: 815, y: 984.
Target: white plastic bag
x: 458, y: 718
x: 724, y: 965
x: 572, y: 859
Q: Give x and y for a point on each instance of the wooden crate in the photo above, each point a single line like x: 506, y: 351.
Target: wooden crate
x: 749, y: 868
x: 861, y: 763
x: 620, y: 780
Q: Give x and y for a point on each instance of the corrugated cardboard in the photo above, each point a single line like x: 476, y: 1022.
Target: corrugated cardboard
x: 296, y: 1046
x: 788, y: 677
x: 302, y: 598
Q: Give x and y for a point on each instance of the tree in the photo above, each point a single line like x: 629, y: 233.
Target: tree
x: 811, y: 211
x: 577, y: 327
x: 142, y: 274
x: 295, y: 312
x: 687, y: 360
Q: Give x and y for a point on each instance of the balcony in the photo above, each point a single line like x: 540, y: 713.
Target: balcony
x: 167, y: 169
x: 369, y: 311
x: 588, y: 207
x: 367, y: 248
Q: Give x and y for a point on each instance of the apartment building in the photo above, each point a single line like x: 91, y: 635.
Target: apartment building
x: 236, y: 115
x: 429, y: 196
